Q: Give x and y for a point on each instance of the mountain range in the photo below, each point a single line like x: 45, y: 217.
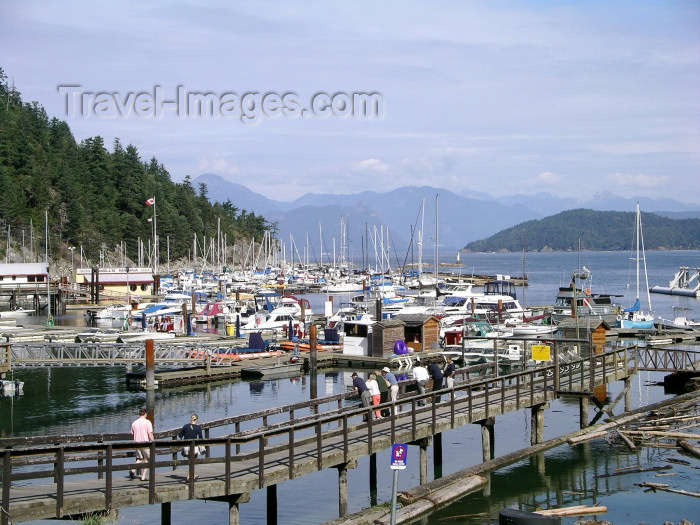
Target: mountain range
x: 408, y: 210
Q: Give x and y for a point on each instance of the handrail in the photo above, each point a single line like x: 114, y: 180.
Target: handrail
x: 483, y: 395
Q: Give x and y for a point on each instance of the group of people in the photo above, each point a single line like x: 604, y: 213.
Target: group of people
x: 441, y: 377
x: 379, y: 387
x: 382, y: 386
x: 142, y: 432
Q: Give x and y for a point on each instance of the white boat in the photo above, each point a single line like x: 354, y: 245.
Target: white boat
x: 143, y: 335
x: 11, y: 388
x: 97, y: 335
x: 634, y: 317
x: 288, y: 312
x: 16, y: 313
x: 113, y: 311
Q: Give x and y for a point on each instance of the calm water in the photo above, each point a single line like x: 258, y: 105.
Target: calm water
x: 88, y: 400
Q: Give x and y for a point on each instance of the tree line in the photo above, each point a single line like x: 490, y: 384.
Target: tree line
x: 595, y: 230
x: 95, y: 198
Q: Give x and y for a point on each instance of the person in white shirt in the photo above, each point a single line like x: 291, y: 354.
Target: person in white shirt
x: 374, y: 391
x: 420, y: 375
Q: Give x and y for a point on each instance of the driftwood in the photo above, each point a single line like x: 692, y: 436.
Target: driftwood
x: 627, y: 441
x: 679, y: 461
x: 576, y: 510
x: 690, y: 449
x: 437, y: 498
x: 587, y: 437
x: 664, y: 487
x: 634, y: 471
x: 681, y: 435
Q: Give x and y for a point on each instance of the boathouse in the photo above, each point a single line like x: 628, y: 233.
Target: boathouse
x: 421, y: 331
x: 136, y: 282
x: 592, y: 329
x: 384, y: 334
x: 23, y: 277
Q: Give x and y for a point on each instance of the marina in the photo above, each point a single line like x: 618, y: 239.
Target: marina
x: 333, y: 365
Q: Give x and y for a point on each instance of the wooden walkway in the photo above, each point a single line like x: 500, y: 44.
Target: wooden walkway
x: 86, y: 474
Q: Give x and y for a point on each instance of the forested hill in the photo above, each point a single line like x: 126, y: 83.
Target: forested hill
x: 596, y: 230
x: 96, y: 198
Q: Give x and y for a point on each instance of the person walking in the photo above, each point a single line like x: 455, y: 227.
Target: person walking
x: 420, y: 375
x: 436, y: 375
x: 373, y: 388
x: 142, y: 431
x: 449, y: 373
x: 358, y: 384
x: 189, y: 431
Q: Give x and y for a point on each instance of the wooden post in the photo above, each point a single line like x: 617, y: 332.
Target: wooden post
x: 150, y: 362
x: 437, y: 455
x: 627, y: 381
x: 537, y: 423
x: 342, y: 490
x: 423, y: 462
x: 583, y: 411
x: 373, y: 479
x: 165, y: 513
x: 487, y: 438
x: 234, y: 516
x: 313, y: 374
x: 272, y: 504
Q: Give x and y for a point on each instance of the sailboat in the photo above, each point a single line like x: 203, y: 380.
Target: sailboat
x: 634, y: 316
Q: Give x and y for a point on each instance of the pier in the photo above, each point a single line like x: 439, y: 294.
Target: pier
x: 60, y: 476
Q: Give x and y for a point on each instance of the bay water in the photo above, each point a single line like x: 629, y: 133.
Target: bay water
x: 87, y: 400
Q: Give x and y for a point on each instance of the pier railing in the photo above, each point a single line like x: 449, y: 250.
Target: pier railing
x: 320, y: 432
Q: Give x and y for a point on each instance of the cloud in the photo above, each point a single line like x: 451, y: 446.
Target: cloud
x: 370, y: 165
x: 636, y: 182
x: 217, y: 166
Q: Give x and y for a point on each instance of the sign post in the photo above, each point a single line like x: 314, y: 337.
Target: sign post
x: 399, y: 454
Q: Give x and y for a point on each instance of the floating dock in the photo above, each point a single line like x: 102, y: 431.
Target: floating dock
x: 686, y: 282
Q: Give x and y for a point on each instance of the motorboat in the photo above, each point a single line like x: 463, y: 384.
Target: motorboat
x: 143, y: 335
x: 9, y: 387
x: 97, y: 335
x: 16, y: 313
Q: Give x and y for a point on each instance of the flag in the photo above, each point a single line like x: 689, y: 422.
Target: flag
x: 151, y: 201
x: 150, y: 219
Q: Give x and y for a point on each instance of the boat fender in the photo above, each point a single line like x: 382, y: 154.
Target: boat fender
x: 619, y: 318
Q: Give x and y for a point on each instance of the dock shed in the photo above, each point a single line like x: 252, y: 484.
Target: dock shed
x: 384, y: 334
x: 594, y: 330
x: 421, y: 331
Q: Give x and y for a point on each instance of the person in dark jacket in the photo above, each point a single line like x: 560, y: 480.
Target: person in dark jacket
x: 436, y: 375
x: 191, y: 430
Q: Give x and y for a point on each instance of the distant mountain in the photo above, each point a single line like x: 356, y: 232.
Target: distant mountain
x: 596, y: 230
x: 461, y: 219
x: 602, y: 201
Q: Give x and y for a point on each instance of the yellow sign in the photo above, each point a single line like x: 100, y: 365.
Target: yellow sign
x: 541, y: 353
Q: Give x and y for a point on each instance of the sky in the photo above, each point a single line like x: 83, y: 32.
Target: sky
x: 503, y: 97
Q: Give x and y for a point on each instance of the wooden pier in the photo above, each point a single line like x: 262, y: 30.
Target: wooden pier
x: 60, y: 476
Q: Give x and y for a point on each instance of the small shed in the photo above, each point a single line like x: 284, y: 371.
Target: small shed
x: 384, y: 334
x: 594, y: 330
x: 422, y: 331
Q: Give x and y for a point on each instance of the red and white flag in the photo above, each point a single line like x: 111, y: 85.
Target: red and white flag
x: 151, y: 201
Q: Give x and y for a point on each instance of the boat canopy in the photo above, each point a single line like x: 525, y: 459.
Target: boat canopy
x: 635, y: 307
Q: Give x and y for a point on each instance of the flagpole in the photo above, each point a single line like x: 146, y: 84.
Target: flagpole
x: 155, y: 245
